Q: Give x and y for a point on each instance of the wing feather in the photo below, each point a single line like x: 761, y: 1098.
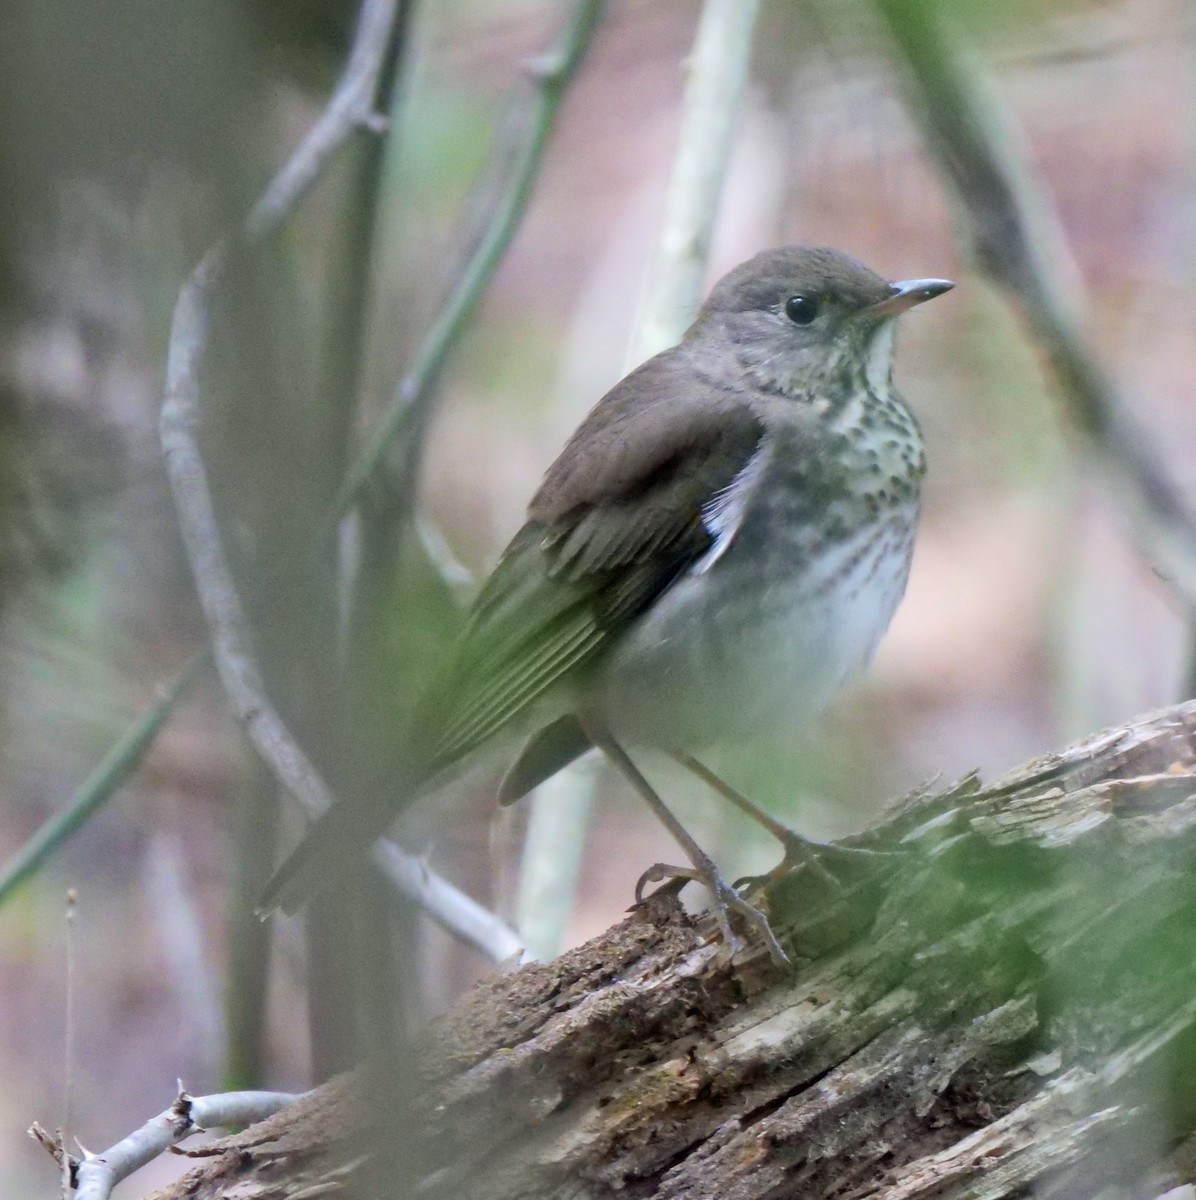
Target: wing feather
x: 620, y: 515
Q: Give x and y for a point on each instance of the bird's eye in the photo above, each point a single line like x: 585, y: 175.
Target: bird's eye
x: 801, y: 310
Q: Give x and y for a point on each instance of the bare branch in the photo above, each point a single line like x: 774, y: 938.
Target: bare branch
x: 551, y: 859
x: 1018, y: 241
x: 351, y: 108
x: 718, y: 71
x: 95, y: 1175
x: 461, y: 915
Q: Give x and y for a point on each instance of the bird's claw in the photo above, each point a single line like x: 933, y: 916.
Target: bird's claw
x: 674, y: 879
x: 726, y: 899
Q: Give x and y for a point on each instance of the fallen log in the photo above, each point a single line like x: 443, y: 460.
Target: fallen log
x: 999, y: 997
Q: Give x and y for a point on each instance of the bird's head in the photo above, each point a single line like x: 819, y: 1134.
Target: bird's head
x: 799, y: 317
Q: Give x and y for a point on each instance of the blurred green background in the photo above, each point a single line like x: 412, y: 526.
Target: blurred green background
x: 134, y: 136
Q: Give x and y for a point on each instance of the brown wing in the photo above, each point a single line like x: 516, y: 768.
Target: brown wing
x: 618, y: 517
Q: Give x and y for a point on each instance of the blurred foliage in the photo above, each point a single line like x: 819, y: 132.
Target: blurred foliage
x: 157, y: 122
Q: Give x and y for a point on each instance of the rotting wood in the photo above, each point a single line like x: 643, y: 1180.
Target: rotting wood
x: 1004, y: 1000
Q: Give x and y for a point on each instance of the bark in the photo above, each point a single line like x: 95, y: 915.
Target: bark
x: 1000, y: 999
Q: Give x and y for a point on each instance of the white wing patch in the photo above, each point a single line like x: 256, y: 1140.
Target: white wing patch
x: 722, y: 515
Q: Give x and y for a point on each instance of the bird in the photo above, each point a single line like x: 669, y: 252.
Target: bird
x: 719, y: 546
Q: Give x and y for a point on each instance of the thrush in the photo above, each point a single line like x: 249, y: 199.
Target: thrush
x: 719, y: 546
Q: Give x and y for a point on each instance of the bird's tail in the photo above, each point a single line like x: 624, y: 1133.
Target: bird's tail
x: 332, y: 847
x: 337, y: 844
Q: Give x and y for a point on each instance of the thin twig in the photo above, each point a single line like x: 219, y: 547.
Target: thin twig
x: 460, y: 579
x: 457, y: 912
x: 718, y: 72
x: 214, y: 582
x: 95, y: 1175
x: 551, y: 859
x: 410, y: 407
x: 1018, y: 241
x: 117, y: 765
x: 350, y: 109
x: 68, y: 1105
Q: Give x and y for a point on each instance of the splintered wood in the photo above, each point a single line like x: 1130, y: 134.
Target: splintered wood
x: 1000, y: 999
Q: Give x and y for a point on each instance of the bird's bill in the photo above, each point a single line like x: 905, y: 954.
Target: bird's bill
x: 905, y: 293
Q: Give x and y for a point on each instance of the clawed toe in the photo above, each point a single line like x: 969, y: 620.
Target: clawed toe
x: 673, y: 878
x: 802, y: 854
x: 726, y: 899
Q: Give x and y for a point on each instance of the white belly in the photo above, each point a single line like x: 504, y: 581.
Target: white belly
x: 750, y: 651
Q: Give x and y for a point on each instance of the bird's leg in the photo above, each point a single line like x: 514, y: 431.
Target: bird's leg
x: 800, y: 852
x: 725, y: 896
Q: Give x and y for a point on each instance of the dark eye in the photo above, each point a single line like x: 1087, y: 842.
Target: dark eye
x: 801, y: 310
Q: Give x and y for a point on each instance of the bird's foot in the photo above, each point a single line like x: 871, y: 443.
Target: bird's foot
x: 829, y: 861
x: 726, y: 900
x: 800, y: 853
x: 673, y: 878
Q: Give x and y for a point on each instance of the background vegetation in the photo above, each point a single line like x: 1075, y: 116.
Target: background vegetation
x: 134, y: 137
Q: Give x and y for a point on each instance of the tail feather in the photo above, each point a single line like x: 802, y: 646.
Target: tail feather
x: 331, y: 849
x: 338, y: 842
x: 547, y: 752
x: 340, y: 838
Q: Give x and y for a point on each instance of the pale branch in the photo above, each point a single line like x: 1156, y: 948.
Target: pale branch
x: 350, y: 109
x: 451, y: 908
x: 460, y: 579
x: 551, y: 860
x: 1018, y: 241
x: 997, y: 1000
x: 93, y: 1176
x: 718, y: 69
